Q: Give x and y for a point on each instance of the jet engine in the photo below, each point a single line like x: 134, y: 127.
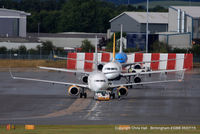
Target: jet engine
x: 85, y: 79
x: 74, y: 90
x: 100, y: 67
x: 123, y: 91
x: 137, y: 79
x: 137, y: 66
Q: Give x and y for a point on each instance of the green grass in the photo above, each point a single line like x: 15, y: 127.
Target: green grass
x: 166, y: 4
x: 94, y: 129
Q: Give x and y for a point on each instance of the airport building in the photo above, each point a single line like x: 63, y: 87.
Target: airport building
x: 135, y: 22
x: 13, y: 23
x: 178, y: 28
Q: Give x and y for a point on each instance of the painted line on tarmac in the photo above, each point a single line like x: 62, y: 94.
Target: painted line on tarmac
x: 78, y: 105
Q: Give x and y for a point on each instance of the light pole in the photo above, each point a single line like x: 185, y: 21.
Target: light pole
x: 38, y: 29
x: 147, y: 26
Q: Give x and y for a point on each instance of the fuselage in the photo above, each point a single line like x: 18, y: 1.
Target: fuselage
x: 112, y: 70
x: 97, y: 81
x: 121, y: 57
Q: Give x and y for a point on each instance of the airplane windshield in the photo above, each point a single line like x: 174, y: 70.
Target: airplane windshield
x: 111, y: 68
x: 100, y: 80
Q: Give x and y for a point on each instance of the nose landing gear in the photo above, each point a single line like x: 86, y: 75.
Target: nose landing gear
x: 83, y: 94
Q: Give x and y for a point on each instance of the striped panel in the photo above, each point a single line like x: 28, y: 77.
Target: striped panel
x: 138, y: 57
x: 188, y: 61
x: 71, y: 64
x: 155, y: 57
x: 163, y: 63
x: 105, y: 57
x: 179, y: 61
x: 131, y: 58
x: 88, y: 66
x: 171, y: 64
x: 147, y: 58
x: 80, y: 61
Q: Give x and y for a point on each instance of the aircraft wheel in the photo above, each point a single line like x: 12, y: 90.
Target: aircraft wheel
x: 81, y: 95
x: 85, y: 95
x: 113, y: 95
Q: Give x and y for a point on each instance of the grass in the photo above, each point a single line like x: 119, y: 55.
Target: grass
x: 32, y: 63
x: 166, y: 4
x: 97, y: 129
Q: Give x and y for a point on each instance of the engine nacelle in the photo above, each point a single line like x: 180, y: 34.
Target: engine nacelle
x: 74, y: 90
x: 137, y: 79
x: 100, y: 67
x: 137, y: 66
x: 85, y: 79
x: 123, y: 91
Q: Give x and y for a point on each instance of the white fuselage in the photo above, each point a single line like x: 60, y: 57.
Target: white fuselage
x: 112, y: 69
x: 97, y: 81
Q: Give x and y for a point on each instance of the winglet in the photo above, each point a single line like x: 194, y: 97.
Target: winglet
x: 11, y: 74
x: 114, y: 47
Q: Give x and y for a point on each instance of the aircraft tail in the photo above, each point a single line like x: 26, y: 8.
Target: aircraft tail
x: 120, y: 49
x: 96, y: 56
x: 114, y: 47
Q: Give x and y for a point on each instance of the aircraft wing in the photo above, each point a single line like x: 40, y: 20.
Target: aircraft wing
x: 48, y: 81
x: 142, y: 62
x: 144, y: 83
x: 151, y: 72
x: 65, y: 58
x: 64, y: 70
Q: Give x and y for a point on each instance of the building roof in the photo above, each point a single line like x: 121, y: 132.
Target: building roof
x: 141, y: 17
x: 193, y: 11
x: 15, y: 11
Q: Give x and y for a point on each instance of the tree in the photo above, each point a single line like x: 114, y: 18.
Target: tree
x: 47, y: 47
x: 22, y: 49
x: 3, y: 50
x: 160, y: 47
x: 87, y: 46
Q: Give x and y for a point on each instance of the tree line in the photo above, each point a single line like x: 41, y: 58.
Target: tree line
x: 54, y: 16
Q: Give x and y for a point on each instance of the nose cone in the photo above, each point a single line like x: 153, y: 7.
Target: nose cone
x: 111, y: 75
x: 121, y: 57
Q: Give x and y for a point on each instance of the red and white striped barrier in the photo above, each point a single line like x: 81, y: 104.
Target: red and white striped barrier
x: 184, y: 60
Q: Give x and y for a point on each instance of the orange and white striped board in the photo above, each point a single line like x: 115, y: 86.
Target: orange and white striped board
x: 185, y: 61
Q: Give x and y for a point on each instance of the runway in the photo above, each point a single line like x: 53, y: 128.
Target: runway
x: 27, y: 102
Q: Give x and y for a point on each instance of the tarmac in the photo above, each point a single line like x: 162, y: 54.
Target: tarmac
x: 28, y: 102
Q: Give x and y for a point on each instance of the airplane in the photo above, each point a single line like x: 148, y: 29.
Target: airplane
x: 113, y: 69
x: 97, y: 80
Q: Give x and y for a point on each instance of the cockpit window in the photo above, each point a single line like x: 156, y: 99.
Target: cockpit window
x: 111, y: 68
x: 100, y: 80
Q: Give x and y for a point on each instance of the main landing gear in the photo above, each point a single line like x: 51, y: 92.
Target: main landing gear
x: 112, y: 95
x: 83, y: 94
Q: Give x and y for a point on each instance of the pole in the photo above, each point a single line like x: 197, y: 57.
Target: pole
x: 38, y: 29
x: 147, y: 26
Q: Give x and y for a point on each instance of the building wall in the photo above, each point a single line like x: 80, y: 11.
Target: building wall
x: 68, y: 42
x: 196, y: 28
x: 177, y: 40
x: 22, y: 26
x: 153, y: 28
x: 129, y: 24
x: 13, y: 24
x: 9, y: 27
x: 173, y: 20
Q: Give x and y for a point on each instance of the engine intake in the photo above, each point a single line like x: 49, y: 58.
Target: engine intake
x: 137, y: 66
x: 123, y: 91
x: 137, y: 79
x: 74, y: 90
x: 85, y: 79
x: 100, y: 67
